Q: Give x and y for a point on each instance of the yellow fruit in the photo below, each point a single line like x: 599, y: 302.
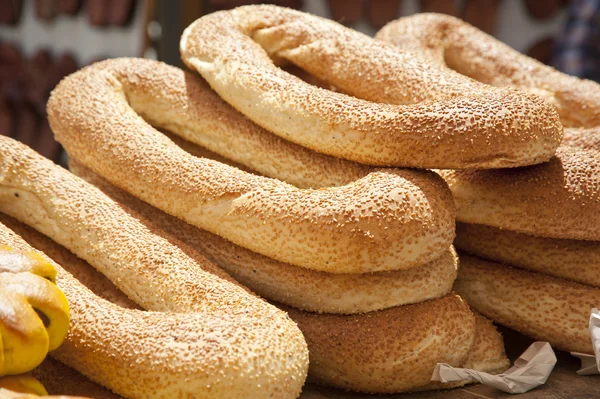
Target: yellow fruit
x: 34, y: 313
x: 23, y: 384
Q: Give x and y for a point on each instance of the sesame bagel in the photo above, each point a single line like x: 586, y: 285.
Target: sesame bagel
x: 388, y: 220
x: 585, y: 139
x: 169, y: 354
x: 183, y: 103
x: 486, y: 353
x: 557, y: 199
x: 456, y: 45
x: 294, y: 286
x: 399, y: 109
x: 392, y: 350
x: 574, y: 260
x: 543, y: 307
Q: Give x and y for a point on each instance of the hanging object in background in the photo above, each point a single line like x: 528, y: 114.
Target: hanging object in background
x: 25, y: 85
x: 10, y: 11
x: 45, y: 10
x: 544, y: 9
x: 450, y: 7
x: 483, y: 14
x: 110, y: 12
x: 69, y: 7
x: 380, y: 12
x: 216, y: 5
x: 346, y: 12
x: 542, y: 50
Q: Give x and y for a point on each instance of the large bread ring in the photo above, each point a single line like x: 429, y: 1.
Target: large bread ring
x: 543, y: 307
x: 392, y: 350
x: 558, y: 199
x: 388, y: 220
x: 291, y: 285
x: 574, y: 260
x: 236, y: 52
x: 197, y: 114
x: 459, y: 46
x: 486, y: 352
x: 137, y: 354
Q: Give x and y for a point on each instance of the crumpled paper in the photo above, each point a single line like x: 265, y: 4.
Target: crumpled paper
x: 590, y: 364
x: 531, y: 369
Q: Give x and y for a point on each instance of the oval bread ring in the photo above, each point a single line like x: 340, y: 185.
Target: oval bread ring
x: 455, y: 44
x: 557, y: 199
x: 574, y: 260
x: 291, y: 285
x: 399, y: 110
x: 183, y: 103
x: 543, y: 307
x: 485, y: 354
x: 392, y: 350
x: 166, y: 354
x: 388, y: 220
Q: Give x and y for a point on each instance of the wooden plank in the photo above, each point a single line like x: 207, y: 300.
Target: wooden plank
x: 563, y: 383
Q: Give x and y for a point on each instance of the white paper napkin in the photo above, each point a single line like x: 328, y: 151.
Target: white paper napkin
x: 590, y: 364
x: 531, y: 369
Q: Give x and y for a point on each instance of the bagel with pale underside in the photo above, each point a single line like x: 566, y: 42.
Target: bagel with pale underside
x: 543, y: 307
x: 557, y: 199
x: 388, y: 220
x: 575, y: 260
x: 197, y: 114
x: 455, y: 45
x: 399, y: 108
x: 396, y: 350
x: 260, y: 351
x: 294, y: 286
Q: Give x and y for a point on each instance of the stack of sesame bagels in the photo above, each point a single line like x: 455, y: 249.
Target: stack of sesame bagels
x: 537, y: 227
x: 206, y: 335
x: 391, y: 304
x: 360, y: 257
x: 192, y: 192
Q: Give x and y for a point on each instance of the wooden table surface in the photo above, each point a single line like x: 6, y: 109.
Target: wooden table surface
x: 563, y: 383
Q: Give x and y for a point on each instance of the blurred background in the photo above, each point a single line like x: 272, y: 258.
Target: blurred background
x: 42, y: 41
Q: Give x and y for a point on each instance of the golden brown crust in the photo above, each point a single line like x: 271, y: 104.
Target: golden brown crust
x: 148, y: 353
x: 487, y: 353
x: 559, y: 199
x: 543, y: 307
x: 574, y: 260
x: 402, y: 110
x: 585, y: 139
x: 294, y: 286
x: 183, y: 103
x: 388, y: 220
x: 77, y: 267
x: 392, y: 350
x: 102, y: 287
x: 461, y: 47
